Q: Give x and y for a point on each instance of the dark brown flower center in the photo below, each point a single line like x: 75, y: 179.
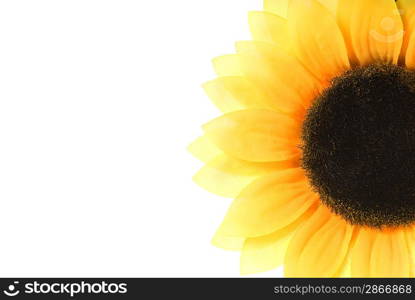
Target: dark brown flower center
x: 359, y: 145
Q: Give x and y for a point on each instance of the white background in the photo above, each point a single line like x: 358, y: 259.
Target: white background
x: 98, y: 102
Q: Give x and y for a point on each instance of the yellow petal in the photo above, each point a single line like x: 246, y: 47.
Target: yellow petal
x: 255, y: 135
x: 331, y: 5
x: 279, y: 7
x: 390, y: 245
x: 373, y: 30
x: 346, y: 269
x: 267, y: 252
x: 362, y: 250
x: 268, y: 27
x: 381, y: 253
x: 227, y: 176
x: 268, y: 204
x: 410, y: 241
x: 203, y: 149
x: 227, y: 242
x: 234, y: 93
x: 232, y: 165
x: 227, y: 65
x: 266, y: 65
x: 221, y: 183
x: 407, y: 11
x: 410, y: 235
x: 317, y: 40
x: 319, y: 247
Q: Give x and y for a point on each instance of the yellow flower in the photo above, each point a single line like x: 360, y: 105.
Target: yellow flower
x: 317, y: 139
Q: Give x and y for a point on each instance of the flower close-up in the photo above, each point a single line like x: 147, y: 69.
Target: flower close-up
x: 317, y: 139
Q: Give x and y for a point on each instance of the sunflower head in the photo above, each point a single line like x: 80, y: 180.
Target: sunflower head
x: 317, y: 139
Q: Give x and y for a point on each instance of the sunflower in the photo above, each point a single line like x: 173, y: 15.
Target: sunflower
x: 317, y: 140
